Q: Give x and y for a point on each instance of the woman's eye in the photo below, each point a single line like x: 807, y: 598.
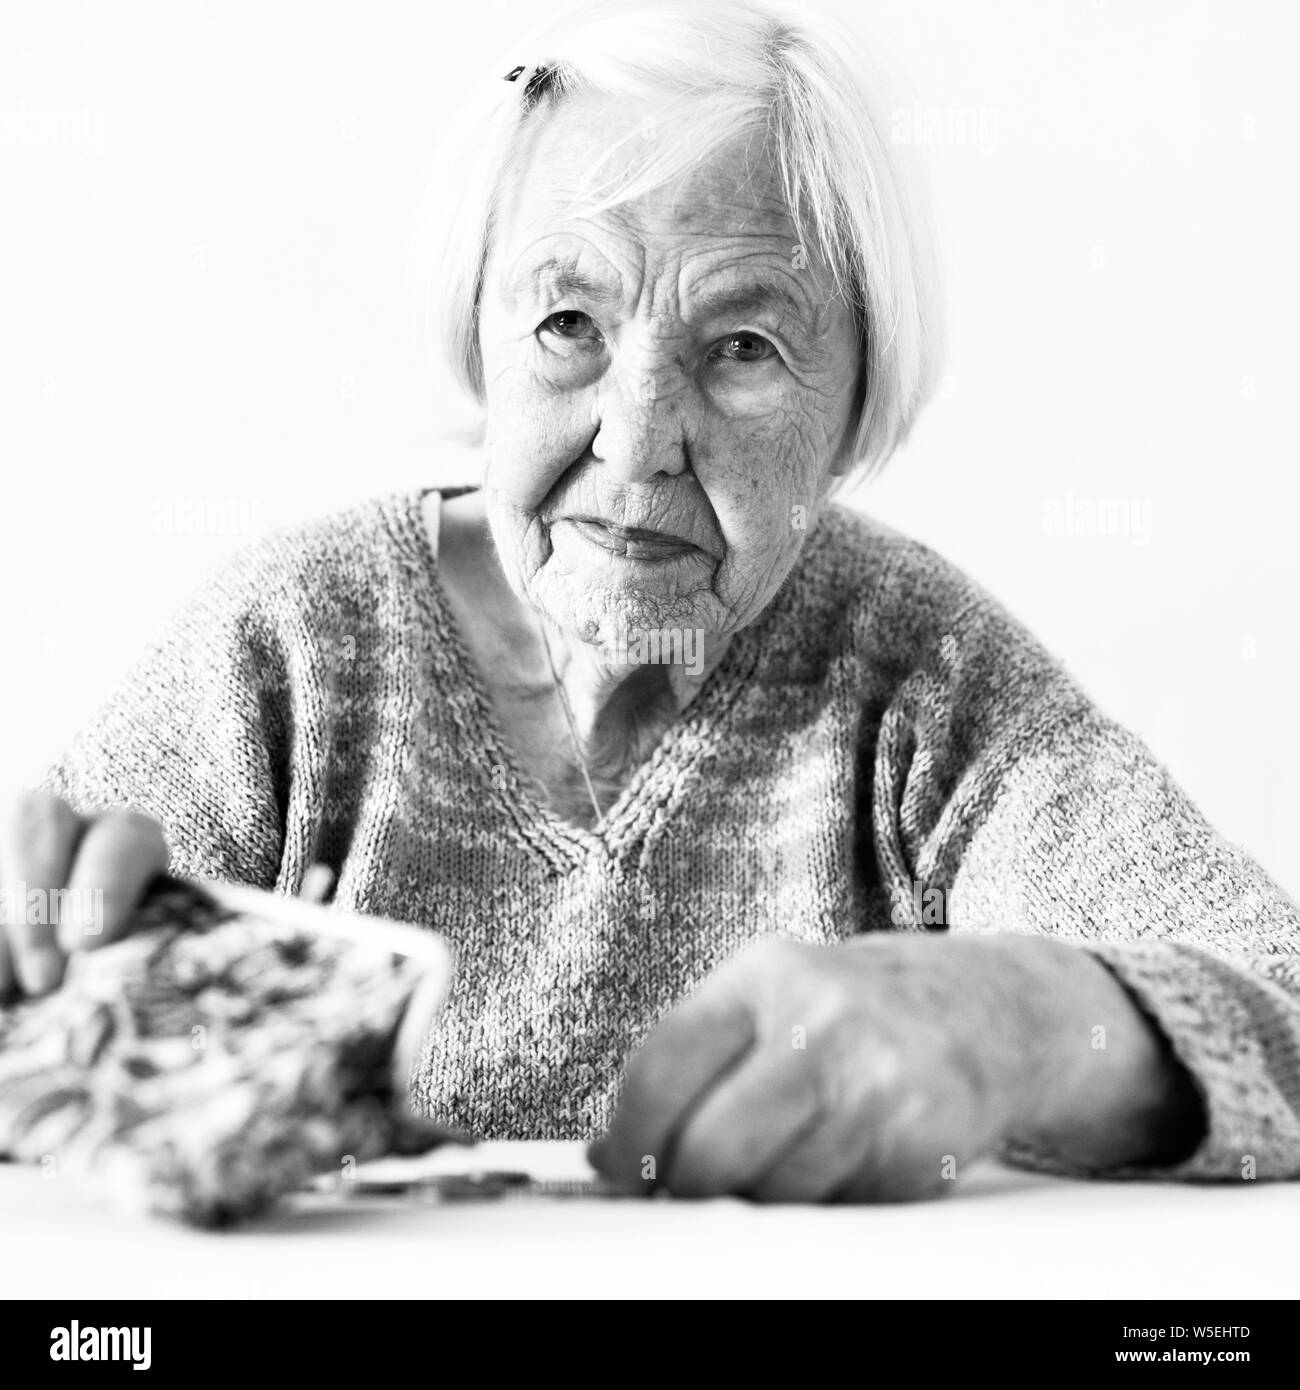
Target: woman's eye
x: 744, y: 347
x: 570, y: 323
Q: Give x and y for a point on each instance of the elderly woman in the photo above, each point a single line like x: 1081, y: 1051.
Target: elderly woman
x: 777, y: 858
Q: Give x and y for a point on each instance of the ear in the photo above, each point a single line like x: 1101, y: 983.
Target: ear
x: 843, y: 462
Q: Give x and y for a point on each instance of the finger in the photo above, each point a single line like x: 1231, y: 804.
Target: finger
x: 317, y: 883
x: 910, y: 1153
x: 8, y: 981
x: 742, y: 1126
x: 906, y: 1177
x: 38, y: 838
x: 120, y: 853
x: 851, y: 1144
x: 684, y: 1056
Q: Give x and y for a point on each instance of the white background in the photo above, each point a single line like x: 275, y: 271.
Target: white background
x: 208, y: 328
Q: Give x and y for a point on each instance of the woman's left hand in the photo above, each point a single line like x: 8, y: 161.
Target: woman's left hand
x: 879, y: 1069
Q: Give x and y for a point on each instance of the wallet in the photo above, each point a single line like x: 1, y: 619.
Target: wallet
x: 234, y: 1045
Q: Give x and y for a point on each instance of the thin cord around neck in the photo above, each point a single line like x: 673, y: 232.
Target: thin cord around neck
x: 569, y: 720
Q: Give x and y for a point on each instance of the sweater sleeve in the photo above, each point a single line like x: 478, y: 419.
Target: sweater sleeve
x: 194, y: 738
x: 1000, y: 785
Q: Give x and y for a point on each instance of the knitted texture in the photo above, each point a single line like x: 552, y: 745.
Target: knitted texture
x: 884, y: 739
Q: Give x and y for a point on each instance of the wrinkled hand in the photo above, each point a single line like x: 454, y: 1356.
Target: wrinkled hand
x: 70, y: 883
x: 873, y: 1070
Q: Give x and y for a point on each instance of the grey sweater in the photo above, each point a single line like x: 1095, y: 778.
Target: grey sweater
x: 884, y: 749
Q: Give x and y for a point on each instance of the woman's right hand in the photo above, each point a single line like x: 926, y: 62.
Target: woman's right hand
x: 67, y: 883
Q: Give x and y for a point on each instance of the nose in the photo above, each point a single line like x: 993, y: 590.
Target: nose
x: 639, y: 427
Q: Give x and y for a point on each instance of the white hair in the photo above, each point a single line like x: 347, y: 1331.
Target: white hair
x: 711, y: 71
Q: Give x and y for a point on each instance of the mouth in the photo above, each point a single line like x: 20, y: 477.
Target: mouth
x: 631, y: 542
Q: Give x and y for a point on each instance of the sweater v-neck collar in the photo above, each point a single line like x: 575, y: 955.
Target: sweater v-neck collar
x: 656, y: 786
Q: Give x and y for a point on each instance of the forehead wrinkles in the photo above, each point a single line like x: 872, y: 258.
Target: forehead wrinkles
x: 729, y: 207
x: 690, y: 274
x: 557, y: 263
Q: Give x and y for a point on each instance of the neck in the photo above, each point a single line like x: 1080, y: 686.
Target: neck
x: 621, y: 701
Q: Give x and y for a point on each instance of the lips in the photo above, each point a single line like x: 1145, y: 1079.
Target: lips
x: 634, y: 542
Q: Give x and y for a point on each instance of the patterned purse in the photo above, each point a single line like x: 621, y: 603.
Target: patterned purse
x: 232, y: 1046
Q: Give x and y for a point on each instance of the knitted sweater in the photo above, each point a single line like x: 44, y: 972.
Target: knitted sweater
x: 883, y: 749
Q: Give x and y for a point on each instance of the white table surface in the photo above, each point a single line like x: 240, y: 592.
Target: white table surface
x: 1000, y: 1234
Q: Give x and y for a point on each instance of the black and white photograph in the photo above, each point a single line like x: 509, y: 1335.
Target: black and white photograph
x: 650, y: 656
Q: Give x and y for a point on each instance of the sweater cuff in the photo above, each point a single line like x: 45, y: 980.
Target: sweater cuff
x: 1237, y: 1035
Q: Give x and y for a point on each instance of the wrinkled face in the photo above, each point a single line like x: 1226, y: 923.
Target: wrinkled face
x: 669, y: 384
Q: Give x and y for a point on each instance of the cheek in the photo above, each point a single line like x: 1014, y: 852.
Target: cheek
x: 534, y: 432
x: 765, y: 479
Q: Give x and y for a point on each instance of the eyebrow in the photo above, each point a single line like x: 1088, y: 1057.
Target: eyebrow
x: 740, y: 300
x: 560, y: 277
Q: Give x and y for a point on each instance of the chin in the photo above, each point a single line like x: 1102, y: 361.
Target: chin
x: 603, y: 615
